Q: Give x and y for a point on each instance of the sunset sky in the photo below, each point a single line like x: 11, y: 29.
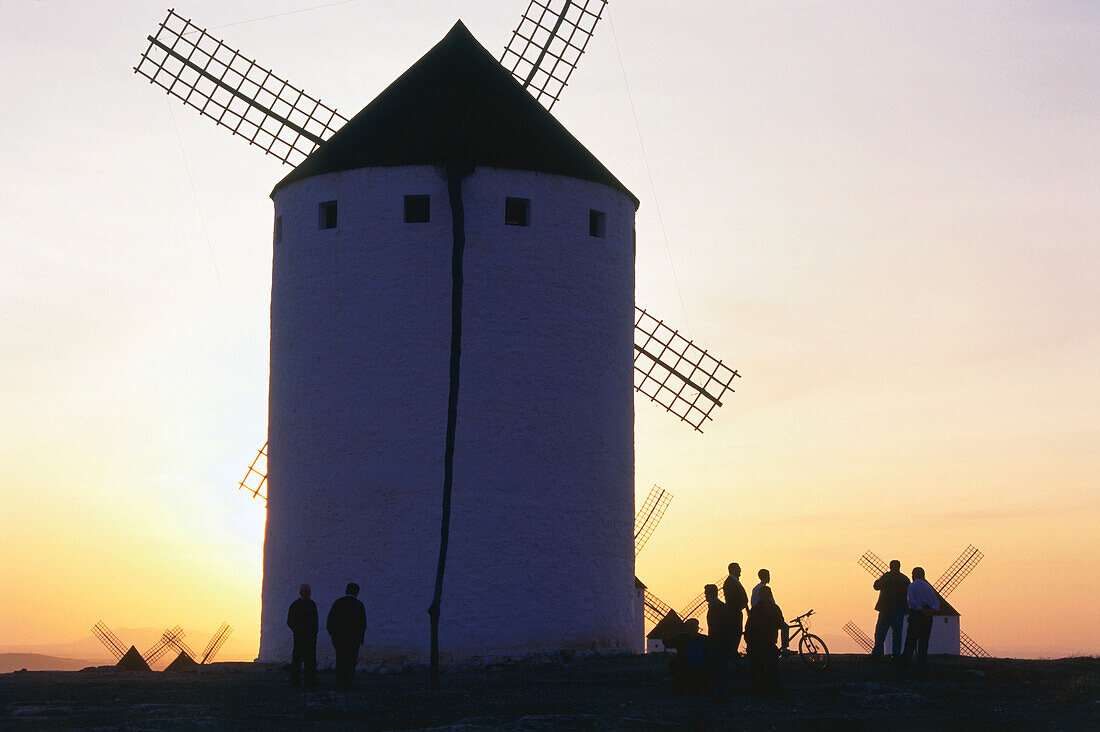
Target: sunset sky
x: 885, y: 215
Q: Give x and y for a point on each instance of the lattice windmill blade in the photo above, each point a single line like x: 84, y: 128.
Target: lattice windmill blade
x: 696, y: 607
x: 970, y: 647
x: 234, y: 91
x: 255, y: 480
x: 873, y: 564
x: 862, y: 639
x: 649, y: 515
x: 162, y: 646
x: 178, y: 644
x: 654, y: 608
x: 958, y: 570
x: 675, y: 373
x: 216, y: 642
x: 548, y: 42
x: 109, y: 639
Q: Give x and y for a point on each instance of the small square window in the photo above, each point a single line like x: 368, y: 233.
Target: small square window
x: 517, y: 211
x: 597, y: 223
x: 418, y: 209
x: 278, y: 230
x: 326, y: 215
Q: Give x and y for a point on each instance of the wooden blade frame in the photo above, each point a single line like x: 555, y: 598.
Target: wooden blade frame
x: 654, y: 608
x: 548, y: 43
x: 873, y: 564
x: 970, y: 647
x: 177, y: 643
x: 862, y: 639
x: 675, y: 373
x: 166, y: 643
x: 216, y: 642
x: 696, y: 606
x: 649, y: 515
x: 109, y: 639
x: 255, y: 480
x: 235, y: 92
x: 958, y: 570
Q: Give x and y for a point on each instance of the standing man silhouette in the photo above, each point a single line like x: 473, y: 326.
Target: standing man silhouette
x: 720, y: 638
x: 346, y: 625
x: 785, y: 631
x: 923, y: 602
x: 302, y: 621
x: 892, y: 586
x: 736, y: 601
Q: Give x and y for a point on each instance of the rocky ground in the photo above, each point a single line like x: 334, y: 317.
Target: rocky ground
x: 625, y: 692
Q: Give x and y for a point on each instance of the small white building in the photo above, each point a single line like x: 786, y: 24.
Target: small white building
x: 944, y: 638
x: 541, y: 550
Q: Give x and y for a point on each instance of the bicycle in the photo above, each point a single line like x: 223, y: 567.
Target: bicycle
x: 811, y: 649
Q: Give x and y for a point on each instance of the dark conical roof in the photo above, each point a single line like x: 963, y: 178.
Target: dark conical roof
x: 183, y: 662
x: 456, y: 106
x: 132, y: 661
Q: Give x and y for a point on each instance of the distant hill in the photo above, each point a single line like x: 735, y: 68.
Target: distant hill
x: 37, y: 662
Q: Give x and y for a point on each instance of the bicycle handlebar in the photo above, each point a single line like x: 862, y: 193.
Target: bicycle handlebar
x: 806, y: 614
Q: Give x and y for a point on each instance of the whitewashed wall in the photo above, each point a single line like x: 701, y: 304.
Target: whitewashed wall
x: 944, y: 638
x: 541, y: 552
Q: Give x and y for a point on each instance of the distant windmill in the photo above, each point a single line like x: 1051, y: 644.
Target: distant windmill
x: 129, y: 659
x: 947, y: 636
x: 364, y: 404
x: 211, y: 650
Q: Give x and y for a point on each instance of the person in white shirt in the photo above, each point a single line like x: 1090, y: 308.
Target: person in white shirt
x: 785, y: 631
x: 923, y: 602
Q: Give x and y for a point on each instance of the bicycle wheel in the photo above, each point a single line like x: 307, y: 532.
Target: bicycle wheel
x: 814, y: 652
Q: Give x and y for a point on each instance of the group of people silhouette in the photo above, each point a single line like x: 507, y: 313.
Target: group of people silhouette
x: 701, y: 663
x: 346, y: 626
x: 898, y: 597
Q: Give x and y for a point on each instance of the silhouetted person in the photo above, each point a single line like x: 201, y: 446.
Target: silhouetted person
x: 761, y: 630
x: 688, y: 668
x: 766, y: 577
x: 736, y: 600
x: 720, y: 631
x: 346, y: 625
x: 893, y: 587
x: 923, y: 602
x: 302, y: 621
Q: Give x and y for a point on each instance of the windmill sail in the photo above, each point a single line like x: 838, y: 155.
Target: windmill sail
x: 649, y: 515
x: 696, y: 607
x: 162, y: 646
x: 674, y: 372
x: 216, y: 642
x: 970, y: 647
x: 654, y: 608
x: 548, y: 42
x: 236, y: 92
x: 109, y: 639
x: 873, y: 564
x: 862, y: 639
x: 958, y: 570
x: 255, y: 480
x: 178, y: 645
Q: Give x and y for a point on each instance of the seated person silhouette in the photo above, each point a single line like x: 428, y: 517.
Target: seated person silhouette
x: 688, y: 668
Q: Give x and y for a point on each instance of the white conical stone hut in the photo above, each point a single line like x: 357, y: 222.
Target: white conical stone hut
x: 541, y: 547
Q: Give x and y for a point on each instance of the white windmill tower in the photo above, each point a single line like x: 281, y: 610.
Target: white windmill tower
x: 452, y: 302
